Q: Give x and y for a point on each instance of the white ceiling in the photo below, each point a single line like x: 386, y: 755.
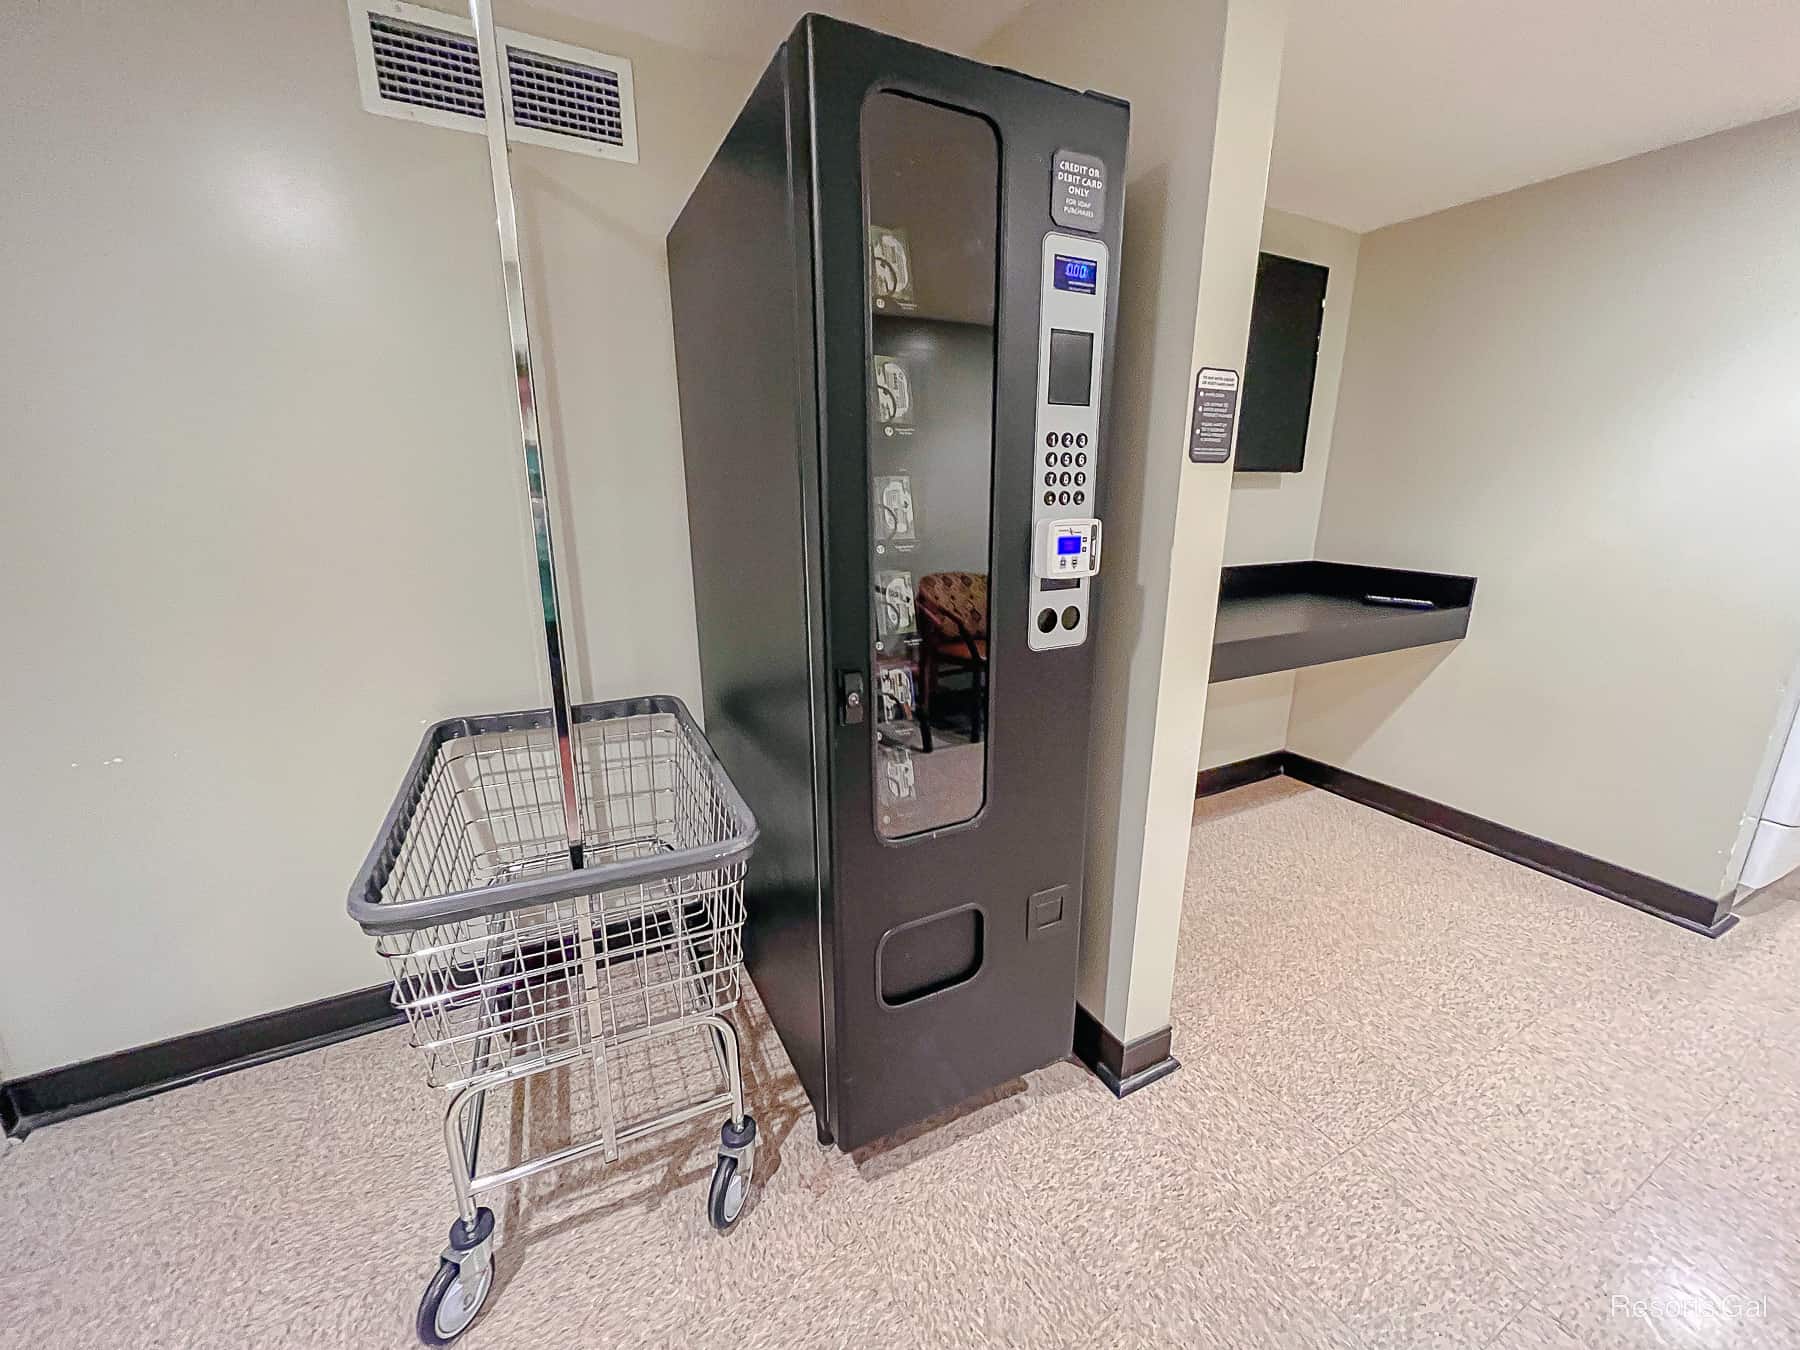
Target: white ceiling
x: 751, y: 30
x: 1392, y: 109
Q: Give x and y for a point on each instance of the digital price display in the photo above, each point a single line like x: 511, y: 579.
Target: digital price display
x: 1068, y: 543
x: 1081, y: 275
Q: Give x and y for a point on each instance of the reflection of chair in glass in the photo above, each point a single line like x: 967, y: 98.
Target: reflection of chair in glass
x: 953, y: 629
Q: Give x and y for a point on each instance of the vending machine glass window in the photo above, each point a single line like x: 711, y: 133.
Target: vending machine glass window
x: 932, y: 183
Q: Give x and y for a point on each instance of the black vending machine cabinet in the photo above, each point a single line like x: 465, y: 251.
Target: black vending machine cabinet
x: 893, y: 295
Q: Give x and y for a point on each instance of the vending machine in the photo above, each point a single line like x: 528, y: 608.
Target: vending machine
x: 893, y: 292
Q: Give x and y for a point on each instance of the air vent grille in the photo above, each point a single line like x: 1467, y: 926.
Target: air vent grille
x: 422, y: 65
x: 426, y: 67
x: 565, y: 97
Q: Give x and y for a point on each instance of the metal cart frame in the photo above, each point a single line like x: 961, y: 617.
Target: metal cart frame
x: 534, y: 865
x: 509, y: 962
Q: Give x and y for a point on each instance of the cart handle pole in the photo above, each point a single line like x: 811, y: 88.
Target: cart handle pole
x: 536, y: 485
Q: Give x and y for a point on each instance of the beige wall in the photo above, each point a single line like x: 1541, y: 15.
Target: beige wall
x: 1246, y: 718
x: 1193, y: 213
x: 262, y: 516
x: 1275, y: 516
x: 1584, y: 394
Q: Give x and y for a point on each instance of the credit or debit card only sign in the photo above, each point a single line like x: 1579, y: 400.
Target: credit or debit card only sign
x: 1078, y: 192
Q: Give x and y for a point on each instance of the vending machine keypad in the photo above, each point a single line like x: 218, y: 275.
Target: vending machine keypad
x: 1071, y: 337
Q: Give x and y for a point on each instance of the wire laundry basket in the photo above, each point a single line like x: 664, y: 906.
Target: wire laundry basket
x: 509, y: 961
x: 490, y: 991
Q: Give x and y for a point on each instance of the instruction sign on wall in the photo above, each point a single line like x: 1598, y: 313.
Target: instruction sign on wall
x: 1215, y: 415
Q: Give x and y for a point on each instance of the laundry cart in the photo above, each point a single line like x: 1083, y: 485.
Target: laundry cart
x: 556, y: 890
x: 511, y: 959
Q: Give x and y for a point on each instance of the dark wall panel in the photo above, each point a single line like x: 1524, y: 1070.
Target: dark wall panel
x: 1284, y: 356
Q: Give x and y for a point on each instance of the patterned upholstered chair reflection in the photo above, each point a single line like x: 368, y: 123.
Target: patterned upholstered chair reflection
x: 953, y: 635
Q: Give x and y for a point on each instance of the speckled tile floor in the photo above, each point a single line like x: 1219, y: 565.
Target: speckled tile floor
x: 1427, y: 1099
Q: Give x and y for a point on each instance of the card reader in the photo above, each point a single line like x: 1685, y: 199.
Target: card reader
x: 1066, y: 549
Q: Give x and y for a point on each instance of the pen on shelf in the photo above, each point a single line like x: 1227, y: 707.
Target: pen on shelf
x: 1398, y: 602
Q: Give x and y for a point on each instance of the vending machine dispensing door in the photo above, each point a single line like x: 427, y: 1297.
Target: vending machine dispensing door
x: 894, y: 293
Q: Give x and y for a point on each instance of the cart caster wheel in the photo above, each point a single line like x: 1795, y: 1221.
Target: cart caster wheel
x: 725, y: 1201
x: 449, y: 1306
x: 451, y: 1303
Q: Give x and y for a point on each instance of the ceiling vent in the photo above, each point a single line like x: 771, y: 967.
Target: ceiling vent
x: 421, y: 65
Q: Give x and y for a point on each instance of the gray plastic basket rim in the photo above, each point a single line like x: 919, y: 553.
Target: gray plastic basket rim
x: 399, y: 916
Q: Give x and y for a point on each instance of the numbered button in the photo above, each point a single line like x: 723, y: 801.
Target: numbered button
x: 1049, y: 497
x: 1081, y: 438
x: 1049, y: 480
x: 1067, y: 440
x: 1080, y: 497
x: 1061, y: 497
x: 1081, y: 480
x: 1080, y: 460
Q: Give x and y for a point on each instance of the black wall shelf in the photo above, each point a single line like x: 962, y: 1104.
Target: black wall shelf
x: 1282, y: 616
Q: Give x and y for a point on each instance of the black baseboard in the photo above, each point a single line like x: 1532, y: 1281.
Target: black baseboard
x: 1239, y: 773
x: 76, y: 1089
x: 1687, y: 909
x: 1124, y: 1068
